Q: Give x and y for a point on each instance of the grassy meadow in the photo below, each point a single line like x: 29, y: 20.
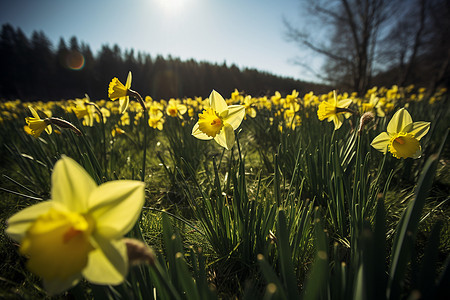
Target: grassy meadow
x: 300, y: 205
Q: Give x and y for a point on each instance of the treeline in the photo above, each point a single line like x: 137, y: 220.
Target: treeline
x: 33, y: 69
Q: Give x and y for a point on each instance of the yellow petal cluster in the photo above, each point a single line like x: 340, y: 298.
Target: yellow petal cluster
x: 35, y: 125
x: 219, y: 121
x: 332, y: 110
x: 175, y: 108
x: 117, y: 90
x: 155, y: 119
x: 402, y: 136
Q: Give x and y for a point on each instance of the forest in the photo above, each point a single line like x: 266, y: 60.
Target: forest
x: 33, y: 69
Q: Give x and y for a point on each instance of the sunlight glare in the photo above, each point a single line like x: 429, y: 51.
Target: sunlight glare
x: 172, y: 6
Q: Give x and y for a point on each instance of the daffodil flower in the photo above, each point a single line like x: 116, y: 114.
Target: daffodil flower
x: 374, y: 104
x: 402, y: 136
x: 175, y: 108
x: 219, y: 121
x: 333, y: 110
x: 155, y: 120
x: 248, y: 104
x: 119, y: 91
x: 35, y: 125
x: 79, y: 231
x: 83, y: 110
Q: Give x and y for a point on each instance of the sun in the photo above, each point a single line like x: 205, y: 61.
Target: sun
x: 171, y: 6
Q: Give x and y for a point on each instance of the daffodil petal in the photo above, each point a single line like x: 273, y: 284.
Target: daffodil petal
x: 217, y: 102
x: 235, y: 116
x: 116, y: 206
x: 182, y: 109
x: 57, y: 285
x: 19, y: 223
x: 225, y: 138
x: 333, y: 101
x: 48, y: 129
x: 107, y: 264
x: 380, y: 112
x: 399, y: 120
x: 123, y: 104
x: 338, y: 120
x: 381, y: 142
x: 344, y: 103
x: 71, y: 185
x: 200, y: 134
x: 418, y: 129
x: 128, y: 83
x: 33, y: 112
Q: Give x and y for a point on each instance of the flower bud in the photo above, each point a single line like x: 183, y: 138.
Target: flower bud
x: 366, y: 118
x: 67, y: 125
x: 138, y: 252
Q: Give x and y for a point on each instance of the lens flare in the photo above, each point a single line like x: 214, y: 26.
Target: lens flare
x: 75, y: 60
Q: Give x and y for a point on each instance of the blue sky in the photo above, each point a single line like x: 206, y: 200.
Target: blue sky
x: 248, y: 33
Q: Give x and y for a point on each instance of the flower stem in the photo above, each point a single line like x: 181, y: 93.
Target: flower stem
x: 144, y: 155
x: 99, y: 111
x: 144, y: 108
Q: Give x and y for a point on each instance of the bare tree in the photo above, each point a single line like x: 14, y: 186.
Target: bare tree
x: 405, y: 43
x: 378, y: 41
x: 417, y: 48
x: 353, y: 29
x: 436, y: 60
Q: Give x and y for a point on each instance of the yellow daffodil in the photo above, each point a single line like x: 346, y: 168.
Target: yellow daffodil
x: 290, y: 118
x: 219, y: 121
x: 247, y: 102
x: 374, y: 104
x: 191, y: 112
x: 117, y: 131
x: 155, y: 108
x: 175, y: 108
x: 83, y: 110
x: 292, y: 97
x: 334, y: 110
x: 276, y: 98
x: 105, y: 113
x: 236, y: 96
x: 35, y: 125
x: 402, y: 136
x: 125, y: 119
x: 119, y: 91
x: 155, y: 120
x: 79, y: 231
